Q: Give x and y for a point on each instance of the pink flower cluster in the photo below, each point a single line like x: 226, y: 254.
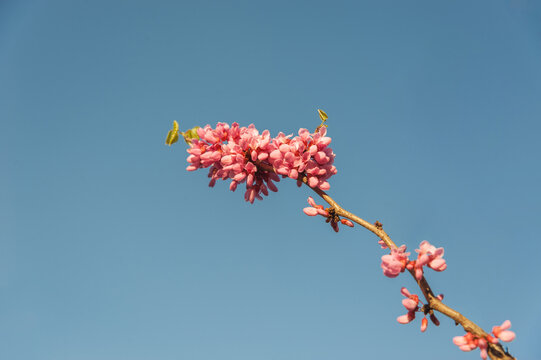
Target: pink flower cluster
x: 395, y: 262
x: 427, y: 255
x: 316, y: 209
x: 398, y: 260
x: 238, y: 153
x: 470, y: 342
x: 411, y: 303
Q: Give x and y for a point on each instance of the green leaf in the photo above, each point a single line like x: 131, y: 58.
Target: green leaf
x: 322, y: 115
x: 190, y: 134
x: 172, y: 135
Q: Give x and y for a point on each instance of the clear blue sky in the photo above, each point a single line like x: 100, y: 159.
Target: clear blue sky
x: 109, y: 249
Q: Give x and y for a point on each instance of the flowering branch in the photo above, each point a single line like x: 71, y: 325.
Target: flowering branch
x: 495, y: 350
x: 244, y: 156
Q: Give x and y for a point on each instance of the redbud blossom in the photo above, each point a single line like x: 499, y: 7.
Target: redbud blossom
x: 315, y: 209
x: 238, y: 153
x: 502, y: 333
x: 395, y: 262
x: 424, y: 324
x: 483, y: 345
x: 427, y: 255
x: 469, y: 341
x: 411, y: 303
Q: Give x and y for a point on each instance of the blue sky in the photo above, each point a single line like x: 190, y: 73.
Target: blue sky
x: 109, y: 249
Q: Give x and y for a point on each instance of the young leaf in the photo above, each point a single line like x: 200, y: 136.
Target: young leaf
x: 322, y: 115
x: 190, y: 134
x: 172, y: 135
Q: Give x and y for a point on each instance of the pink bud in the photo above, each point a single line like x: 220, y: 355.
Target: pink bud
x: 310, y: 211
x: 346, y: 222
x: 424, y: 324
x: 325, y: 141
x: 405, y: 292
x: 406, y: 318
x: 484, y: 354
x: 409, y: 304
x: 293, y: 174
x: 505, y: 325
x: 502, y: 333
x: 283, y: 170
x: 322, y: 212
x: 438, y: 264
x: 324, y: 186
x: 321, y: 157
x: 250, y: 180
x: 507, y: 336
x: 419, y: 273
x: 251, y: 195
x: 483, y: 347
x: 275, y: 156
x: 459, y: 340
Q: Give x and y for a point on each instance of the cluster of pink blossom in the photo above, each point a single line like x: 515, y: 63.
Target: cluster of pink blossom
x: 239, y: 153
x: 332, y: 218
x: 398, y: 260
x: 470, y: 342
x: 395, y: 262
x: 411, y: 303
x: 427, y: 255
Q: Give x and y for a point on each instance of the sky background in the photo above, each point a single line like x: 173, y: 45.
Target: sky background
x: 109, y: 249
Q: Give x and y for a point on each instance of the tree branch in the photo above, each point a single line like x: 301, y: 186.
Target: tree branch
x: 495, y: 351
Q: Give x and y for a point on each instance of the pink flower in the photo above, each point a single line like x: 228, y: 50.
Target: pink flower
x: 244, y: 155
x: 469, y: 341
x: 307, y: 153
x: 483, y: 346
x: 502, y: 333
x: 315, y: 209
x: 395, y: 262
x: 406, y: 318
x: 424, y: 324
x: 427, y: 255
x: 411, y: 303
